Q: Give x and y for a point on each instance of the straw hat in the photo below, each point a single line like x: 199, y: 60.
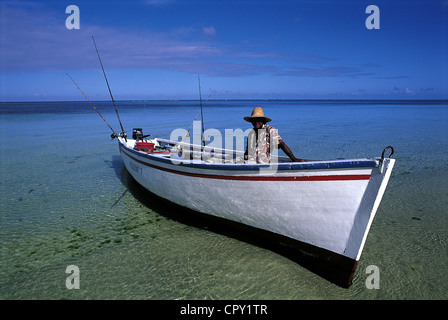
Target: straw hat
x: 257, y: 113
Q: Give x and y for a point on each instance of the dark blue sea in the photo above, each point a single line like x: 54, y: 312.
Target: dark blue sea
x: 66, y: 199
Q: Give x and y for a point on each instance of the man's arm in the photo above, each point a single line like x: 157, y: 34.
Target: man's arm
x: 288, y: 152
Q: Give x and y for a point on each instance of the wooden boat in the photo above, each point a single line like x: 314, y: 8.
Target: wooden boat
x: 320, y: 210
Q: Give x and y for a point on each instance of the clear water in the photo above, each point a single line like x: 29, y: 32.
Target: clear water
x: 67, y: 200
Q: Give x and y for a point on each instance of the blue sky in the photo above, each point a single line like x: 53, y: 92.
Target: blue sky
x: 246, y: 49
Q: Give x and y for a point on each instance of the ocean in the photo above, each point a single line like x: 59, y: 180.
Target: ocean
x: 67, y: 200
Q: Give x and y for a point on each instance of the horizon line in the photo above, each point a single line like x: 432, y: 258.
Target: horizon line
x: 245, y: 99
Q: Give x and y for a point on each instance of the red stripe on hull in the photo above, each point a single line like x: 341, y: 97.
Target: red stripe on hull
x: 346, y: 177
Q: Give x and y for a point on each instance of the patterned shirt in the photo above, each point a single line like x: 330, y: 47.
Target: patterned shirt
x: 259, y: 150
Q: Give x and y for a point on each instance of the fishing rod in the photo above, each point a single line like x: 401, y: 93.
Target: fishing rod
x: 187, y: 134
x: 202, y: 114
x: 107, y: 82
x: 114, y: 134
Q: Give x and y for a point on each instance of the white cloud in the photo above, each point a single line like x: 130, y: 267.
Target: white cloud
x: 37, y: 40
x: 41, y: 42
x: 209, y: 31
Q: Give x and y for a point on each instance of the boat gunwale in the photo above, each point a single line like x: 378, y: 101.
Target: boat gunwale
x: 363, y: 163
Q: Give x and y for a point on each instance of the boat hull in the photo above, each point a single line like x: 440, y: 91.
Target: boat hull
x: 318, y: 212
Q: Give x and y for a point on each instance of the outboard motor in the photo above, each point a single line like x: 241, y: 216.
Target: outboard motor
x: 140, y: 145
x: 137, y: 134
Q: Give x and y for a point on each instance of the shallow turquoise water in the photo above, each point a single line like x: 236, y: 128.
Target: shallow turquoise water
x: 67, y: 200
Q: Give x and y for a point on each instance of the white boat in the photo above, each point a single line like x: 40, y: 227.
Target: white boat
x: 320, y: 210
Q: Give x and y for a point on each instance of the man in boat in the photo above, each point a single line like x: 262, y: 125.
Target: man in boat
x: 262, y: 140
